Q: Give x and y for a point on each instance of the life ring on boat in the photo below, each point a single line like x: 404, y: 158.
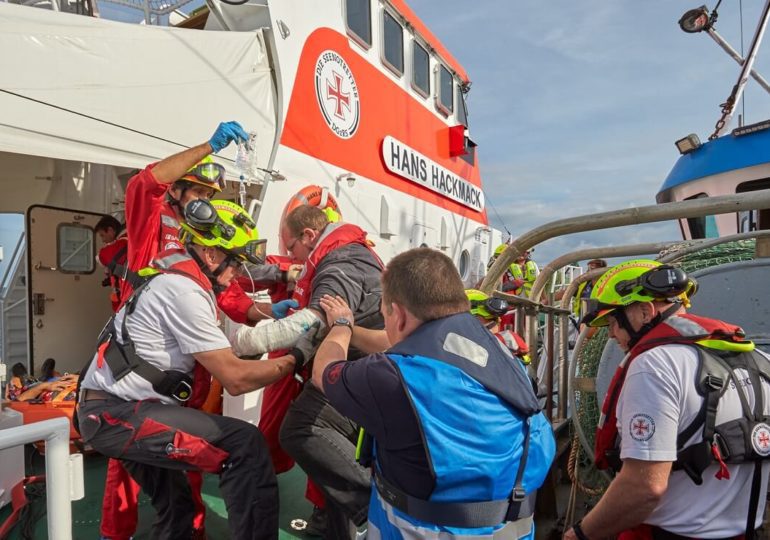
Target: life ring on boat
x: 313, y: 195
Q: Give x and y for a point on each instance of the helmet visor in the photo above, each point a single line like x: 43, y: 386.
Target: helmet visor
x: 253, y: 252
x: 208, y: 174
x: 201, y: 215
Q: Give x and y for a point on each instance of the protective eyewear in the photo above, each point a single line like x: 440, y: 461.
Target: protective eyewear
x: 254, y: 251
x: 209, y: 173
x: 664, y: 281
x: 201, y: 215
x: 495, y: 306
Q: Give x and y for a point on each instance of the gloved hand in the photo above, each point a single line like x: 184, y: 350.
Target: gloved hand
x: 226, y: 133
x: 281, y: 309
x: 304, y: 349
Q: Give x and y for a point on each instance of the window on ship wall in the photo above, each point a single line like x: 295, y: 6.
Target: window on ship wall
x: 358, y: 18
x: 703, y: 226
x: 753, y: 220
x: 392, y: 44
x: 445, y: 94
x: 420, y: 69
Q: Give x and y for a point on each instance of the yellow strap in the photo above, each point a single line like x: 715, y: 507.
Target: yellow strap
x: 360, y: 443
x: 721, y: 345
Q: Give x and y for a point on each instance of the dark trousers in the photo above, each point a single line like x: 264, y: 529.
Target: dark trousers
x: 323, y: 442
x: 157, y: 443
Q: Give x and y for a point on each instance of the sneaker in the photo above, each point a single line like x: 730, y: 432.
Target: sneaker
x: 316, y: 525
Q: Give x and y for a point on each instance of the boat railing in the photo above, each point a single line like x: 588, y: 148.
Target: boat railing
x: 64, y: 473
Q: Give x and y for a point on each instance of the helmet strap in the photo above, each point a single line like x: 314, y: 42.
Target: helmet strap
x: 176, y: 203
x: 205, y: 267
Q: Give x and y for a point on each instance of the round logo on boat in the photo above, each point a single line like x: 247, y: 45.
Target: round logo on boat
x: 337, y: 93
x: 760, y: 439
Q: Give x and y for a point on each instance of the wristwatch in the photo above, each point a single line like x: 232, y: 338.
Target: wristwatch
x: 342, y: 321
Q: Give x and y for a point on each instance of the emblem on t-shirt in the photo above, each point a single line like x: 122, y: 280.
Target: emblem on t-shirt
x: 641, y: 427
x: 760, y: 439
x: 172, y: 245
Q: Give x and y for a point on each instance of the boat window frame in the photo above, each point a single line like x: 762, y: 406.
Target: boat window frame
x: 63, y: 257
x: 351, y: 32
x: 398, y: 72
x: 461, y: 105
x: 426, y: 49
x: 438, y: 103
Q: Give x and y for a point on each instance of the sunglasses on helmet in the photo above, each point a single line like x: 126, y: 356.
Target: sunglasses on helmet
x: 208, y: 173
x: 495, y: 306
x: 663, y: 281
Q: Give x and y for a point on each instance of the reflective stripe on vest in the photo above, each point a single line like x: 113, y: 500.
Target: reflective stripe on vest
x: 383, y: 516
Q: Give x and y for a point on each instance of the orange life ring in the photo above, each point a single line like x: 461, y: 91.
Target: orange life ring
x: 314, y: 196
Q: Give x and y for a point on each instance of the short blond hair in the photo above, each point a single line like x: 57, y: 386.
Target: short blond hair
x: 306, y: 217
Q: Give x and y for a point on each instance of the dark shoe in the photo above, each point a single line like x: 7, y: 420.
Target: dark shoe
x: 316, y: 525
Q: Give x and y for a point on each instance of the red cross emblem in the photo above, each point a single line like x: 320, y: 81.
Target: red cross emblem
x: 335, y: 92
x: 640, y: 427
x: 764, y: 439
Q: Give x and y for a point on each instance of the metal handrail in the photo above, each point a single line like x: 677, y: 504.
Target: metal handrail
x: 56, y: 434
x: 724, y: 204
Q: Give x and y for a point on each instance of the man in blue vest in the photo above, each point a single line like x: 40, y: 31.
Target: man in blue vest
x: 458, y: 443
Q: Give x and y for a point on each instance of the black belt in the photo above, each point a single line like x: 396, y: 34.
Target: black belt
x: 93, y: 395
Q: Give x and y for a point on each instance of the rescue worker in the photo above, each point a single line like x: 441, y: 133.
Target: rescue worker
x: 339, y: 261
x: 520, y: 274
x: 679, y: 415
x: 143, y: 370
x: 155, y: 199
x: 489, y: 310
x: 112, y: 254
x: 583, y: 291
x: 459, y: 442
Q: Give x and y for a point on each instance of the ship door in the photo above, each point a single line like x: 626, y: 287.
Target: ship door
x: 67, y: 305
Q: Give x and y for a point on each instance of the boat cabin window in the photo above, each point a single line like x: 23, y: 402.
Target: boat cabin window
x: 420, y: 69
x: 392, y: 44
x: 703, y: 226
x: 465, y: 264
x: 358, y: 17
x: 753, y: 220
x: 75, y: 249
x: 445, y: 94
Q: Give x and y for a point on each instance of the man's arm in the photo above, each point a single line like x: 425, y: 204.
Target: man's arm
x: 173, y: 167
x: 369, y: 341
x: 630, y: 499
x: 274, y: 336
x: 333, y: 349
x: 239, y: 376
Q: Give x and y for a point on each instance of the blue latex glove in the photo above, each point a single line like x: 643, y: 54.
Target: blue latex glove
x: 226, y: 133
x: 281, y: 309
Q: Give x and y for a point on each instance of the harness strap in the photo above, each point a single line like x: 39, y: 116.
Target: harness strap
x: 453, y: 514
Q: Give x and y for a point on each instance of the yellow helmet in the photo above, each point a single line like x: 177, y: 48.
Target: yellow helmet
x: 206, y: 173
x: 639, y: 280
x: 225, y: 226
x: 485, y: 306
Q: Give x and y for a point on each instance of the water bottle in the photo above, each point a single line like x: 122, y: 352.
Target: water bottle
x: 246, y: 157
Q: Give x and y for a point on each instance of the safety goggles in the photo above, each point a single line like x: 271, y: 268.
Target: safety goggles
x: 664, y: 281
x: 212, y: 174
x: 496, y: 307
x: 254, y: 251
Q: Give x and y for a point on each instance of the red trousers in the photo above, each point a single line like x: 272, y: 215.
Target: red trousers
x: 121, y: 494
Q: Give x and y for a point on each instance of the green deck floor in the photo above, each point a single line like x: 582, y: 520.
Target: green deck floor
x: 86, y: 513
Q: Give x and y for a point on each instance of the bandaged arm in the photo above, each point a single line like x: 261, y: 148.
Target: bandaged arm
x: 281, y: 334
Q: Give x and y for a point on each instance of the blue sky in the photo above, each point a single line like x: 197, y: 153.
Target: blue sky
x: 576, y: 105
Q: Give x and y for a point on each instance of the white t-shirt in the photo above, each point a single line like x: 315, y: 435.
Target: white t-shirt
x: 174, y: 319
x: 658, y: 401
